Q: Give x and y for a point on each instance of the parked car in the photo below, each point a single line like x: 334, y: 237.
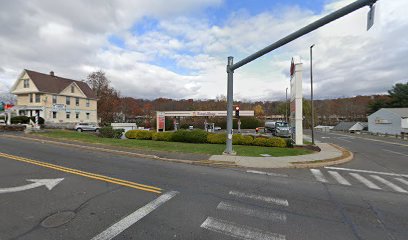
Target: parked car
x: 217, y: 128
x: 86, y: 127
x: 2, y: 122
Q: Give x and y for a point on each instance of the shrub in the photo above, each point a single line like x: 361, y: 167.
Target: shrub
x: 109, y: 132
x: 217, y: 138
x: 162, y: 136
x: 238, y: 139
x: 195, y: 136
x: 289, y: 142
x: 139, y: 134
x: 276, y: 142
x: 260, y: 142
x: 20, y: 119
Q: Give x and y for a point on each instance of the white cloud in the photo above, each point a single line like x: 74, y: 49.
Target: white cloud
x: 184, y: 55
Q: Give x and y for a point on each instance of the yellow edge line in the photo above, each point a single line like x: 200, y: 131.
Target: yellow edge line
x: 80, y: 173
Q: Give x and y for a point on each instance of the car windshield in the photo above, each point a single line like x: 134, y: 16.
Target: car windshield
x: 281, y: 124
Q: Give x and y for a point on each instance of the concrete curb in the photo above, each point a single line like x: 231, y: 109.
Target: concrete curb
x: 346, y: 157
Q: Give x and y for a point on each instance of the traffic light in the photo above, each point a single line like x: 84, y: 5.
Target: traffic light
x: 237, y: 111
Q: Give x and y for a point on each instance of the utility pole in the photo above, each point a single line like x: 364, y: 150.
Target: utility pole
x: 230, y: 88
x: 311, y: 91
x: 286, y: 105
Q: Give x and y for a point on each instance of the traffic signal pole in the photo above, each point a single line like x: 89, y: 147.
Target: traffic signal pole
x: 291, y: 37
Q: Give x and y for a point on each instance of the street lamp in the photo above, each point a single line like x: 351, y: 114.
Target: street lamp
x: 311, y: 91
x: 286, y: 106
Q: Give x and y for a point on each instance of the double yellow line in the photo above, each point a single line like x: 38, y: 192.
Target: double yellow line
x: 85, y: 174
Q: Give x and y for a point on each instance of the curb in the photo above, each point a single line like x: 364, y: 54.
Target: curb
x: 345, y: 157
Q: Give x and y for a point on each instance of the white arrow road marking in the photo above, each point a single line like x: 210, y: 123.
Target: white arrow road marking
x: 48, y: 183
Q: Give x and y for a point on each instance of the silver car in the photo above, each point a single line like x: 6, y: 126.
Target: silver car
x: 86, y: 127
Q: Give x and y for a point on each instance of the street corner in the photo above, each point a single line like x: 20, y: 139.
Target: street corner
x: 45, y: 202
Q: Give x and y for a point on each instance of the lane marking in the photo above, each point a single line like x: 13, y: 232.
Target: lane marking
x: 238, y: 231
x: 365, y: 181
x: 262, y: 214
x: 318, y: 175
x: 48, y: 183
x: 278, y: 201
x: 367, y: 171
x: 374, y: 140
x: 267, y: 173
x: 134, y: 217
x: 402, y: 180
x: 395, y: 152
x: 84, y: 174
x: 389, y: 184
x: 344, y: 140
x: 339, y: 178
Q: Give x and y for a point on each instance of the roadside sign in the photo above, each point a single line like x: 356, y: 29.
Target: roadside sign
x: 370, y: 17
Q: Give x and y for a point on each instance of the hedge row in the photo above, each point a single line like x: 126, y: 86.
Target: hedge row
x: 201, y: 136
x: 25, y: 120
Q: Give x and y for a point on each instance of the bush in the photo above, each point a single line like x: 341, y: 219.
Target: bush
x: 139, y: 134
x: 109, y: 132
x: 289, y: 142
x: 269, y: 142
x: 217, y: 138
x: 195, y: 136
x: 20, y: 120
x: 238, y: 139
x: 162, y: 136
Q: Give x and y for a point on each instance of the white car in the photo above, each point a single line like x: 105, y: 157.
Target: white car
x: 86, y: 127
x: 2, y: 122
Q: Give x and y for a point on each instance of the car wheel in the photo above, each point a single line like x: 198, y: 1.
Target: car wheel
x: 79, y: 130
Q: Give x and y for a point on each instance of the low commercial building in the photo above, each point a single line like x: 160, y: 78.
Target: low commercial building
x: 389, y: 121
x: 62, y: 102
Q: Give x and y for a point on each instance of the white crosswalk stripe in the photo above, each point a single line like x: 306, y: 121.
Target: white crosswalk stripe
x: 402, y: 180
x: 239, y: 231
x: 273, y: 200
x: 365, y: 181
x: 318, y: 175
x: 389, y: 184
x: 339, y: 178
x: 266, y: 215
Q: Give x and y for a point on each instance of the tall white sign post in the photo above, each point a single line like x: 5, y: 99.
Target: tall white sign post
x: 296, y: 110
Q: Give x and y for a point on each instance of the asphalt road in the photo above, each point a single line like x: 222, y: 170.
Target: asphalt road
x: 105, y: 196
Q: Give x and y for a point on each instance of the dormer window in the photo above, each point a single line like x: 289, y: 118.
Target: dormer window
x: 72, y: 89
x: 26, y: 83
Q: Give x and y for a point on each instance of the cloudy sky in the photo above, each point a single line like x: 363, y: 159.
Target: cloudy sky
x: 179, y: 48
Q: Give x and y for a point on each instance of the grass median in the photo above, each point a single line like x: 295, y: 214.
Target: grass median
x: 211, y: 149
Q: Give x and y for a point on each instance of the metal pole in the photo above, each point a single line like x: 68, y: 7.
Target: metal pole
x: 311, y: 91
x: 230, y: 93
x: 286, y: 106
x: 305, y: 30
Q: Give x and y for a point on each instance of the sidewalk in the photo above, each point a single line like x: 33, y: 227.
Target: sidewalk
x: 329, y: 155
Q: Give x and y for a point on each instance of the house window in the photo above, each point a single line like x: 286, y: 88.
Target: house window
x: 68, y: 101
x: 26, y: 83
x: 37, y: 98
x: 54, y: 115
x: 77, y: 101
x: 31, y: 97
x: 54, y: 99
x: 87, y: 102
x: 77, y: 115
x: 87, y: 116
x: 68, y: 115
x: 72, y: 89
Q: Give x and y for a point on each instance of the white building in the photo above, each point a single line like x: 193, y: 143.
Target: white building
x: 389, y: 121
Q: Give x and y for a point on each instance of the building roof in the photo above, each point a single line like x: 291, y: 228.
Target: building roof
x: 344, y: 126
x: 402, y: 112
x: 55, y: 84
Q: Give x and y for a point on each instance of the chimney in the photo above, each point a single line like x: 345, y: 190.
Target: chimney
x: 52, y: 73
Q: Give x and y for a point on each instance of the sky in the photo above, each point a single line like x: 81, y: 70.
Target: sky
x: 178, y: 49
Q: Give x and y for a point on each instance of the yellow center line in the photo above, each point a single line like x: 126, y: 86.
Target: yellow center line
x: 85, y: 174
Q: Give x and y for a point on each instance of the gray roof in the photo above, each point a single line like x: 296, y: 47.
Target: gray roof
x: 402, y: 112
x: 344, y: 126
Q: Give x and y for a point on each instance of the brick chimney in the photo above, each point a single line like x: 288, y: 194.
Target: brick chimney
x: 52, y: 73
